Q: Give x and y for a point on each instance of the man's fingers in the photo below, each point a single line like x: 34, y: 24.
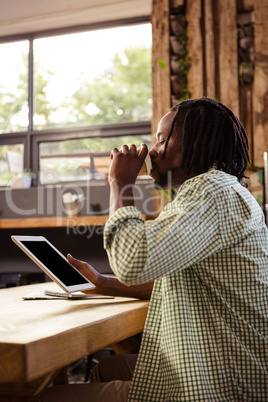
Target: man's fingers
x: 75, y: 262
x: 133, y: 148
x: 81, y: 265
x: 143, y: 151
x: 124, y: 149
x: 114, y: 151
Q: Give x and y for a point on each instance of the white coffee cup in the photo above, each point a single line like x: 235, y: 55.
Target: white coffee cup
x: 146, y: 166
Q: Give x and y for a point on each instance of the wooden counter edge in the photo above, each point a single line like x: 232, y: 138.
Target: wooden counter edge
x: 55, y: 221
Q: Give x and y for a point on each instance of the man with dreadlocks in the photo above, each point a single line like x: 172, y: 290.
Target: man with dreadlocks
x: 206, y: 254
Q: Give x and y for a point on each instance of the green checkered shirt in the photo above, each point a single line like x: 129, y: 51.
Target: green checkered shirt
x: 206, y: 333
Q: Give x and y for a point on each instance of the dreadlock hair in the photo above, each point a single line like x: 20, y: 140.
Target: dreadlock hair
x: 213, y: 137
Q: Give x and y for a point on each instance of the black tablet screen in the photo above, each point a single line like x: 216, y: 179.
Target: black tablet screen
x: 54, y: 262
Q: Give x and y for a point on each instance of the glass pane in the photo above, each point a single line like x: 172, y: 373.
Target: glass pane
x: 94, y: 77
x: 14, y: 87
x: 11, y: 163
x: 82, y: 159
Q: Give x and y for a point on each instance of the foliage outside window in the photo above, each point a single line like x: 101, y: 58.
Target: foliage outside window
x: 14, y: 87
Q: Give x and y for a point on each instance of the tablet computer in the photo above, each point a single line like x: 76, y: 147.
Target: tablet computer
x: 53, y: 263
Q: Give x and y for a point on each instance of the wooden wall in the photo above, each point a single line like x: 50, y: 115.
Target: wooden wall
x: 213, y: 46
x: 260, y: 85
x: 227, y: 44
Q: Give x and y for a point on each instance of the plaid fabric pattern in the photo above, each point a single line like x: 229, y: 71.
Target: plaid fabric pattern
x: 206, y: 333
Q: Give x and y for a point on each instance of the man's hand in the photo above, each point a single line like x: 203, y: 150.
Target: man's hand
x: 110, y: 286
x: 90, y: 273
x: 126, y: 164
x: 123, y: 173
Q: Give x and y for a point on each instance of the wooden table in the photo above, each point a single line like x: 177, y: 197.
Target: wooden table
x: 38, y: 337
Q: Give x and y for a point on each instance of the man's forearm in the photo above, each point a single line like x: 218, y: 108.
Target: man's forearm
x: 120, y: 196
x: 113, y: 287
x: 110, y: 285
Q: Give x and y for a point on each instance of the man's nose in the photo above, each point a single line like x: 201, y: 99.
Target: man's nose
x: 153, y: 152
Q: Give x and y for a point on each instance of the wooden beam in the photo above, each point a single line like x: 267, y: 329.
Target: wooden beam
x: 245, y: 5
x: 228, y: 56
x: 260, y: 85
x: 210, y: 83
x: 176, y: 4
x: 160, y: 51
x: 195, y: 48
x: 246, y: 114
x: 160, y: 75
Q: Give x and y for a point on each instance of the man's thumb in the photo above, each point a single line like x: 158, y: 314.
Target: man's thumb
x: 72, y: 260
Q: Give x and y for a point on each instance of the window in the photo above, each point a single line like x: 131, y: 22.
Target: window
x: 11, y: 162
x: 14, y: 87
x: 68, y: 98
x: 82, y: 158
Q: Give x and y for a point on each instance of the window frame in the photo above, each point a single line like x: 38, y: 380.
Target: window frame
x: 31, y: 138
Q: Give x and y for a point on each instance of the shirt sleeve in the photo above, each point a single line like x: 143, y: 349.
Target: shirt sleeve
x: 184, y: 233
